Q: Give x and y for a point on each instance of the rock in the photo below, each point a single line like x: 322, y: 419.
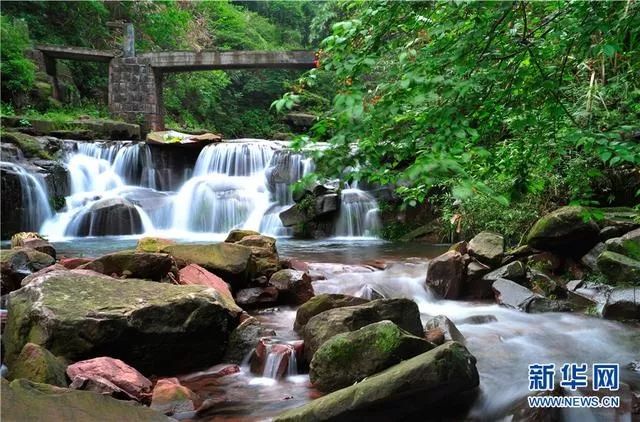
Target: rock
x: 513, y: 295
x: 542, y: 304
x: 170, y: 397
x: 546, y: 262
x: 445, y: 275
x: 300, y: 120
x: 460, y: 247
x: 23, y: 400
x: 475, y: 270
x: 574, y: 284
x: 564, y: 231
x: 274, y: 358
x: 350, y: 357
x: 627, y: 245
x: 237, y: 235
x: 72, y: 263
x: 18, y: 239
x: 244, y: 339
x: 590, y: 294
x: 327, y: 204
x: 194, y: 274
x: 546, y: 286
x: 321, y: 303
x: 115, y: 371
x: 415, y: 386
x: 294, y: 287
x: 435, y: 336
x: 28, y: 279
x: 40, y: 246
x: 17, y: 263
x: 226, y: 260
x: 622, y: 303
x: 264, y: 256
x: 79, y: 316
x: 590, y: 259
x: 478, y: 319
x: 29, y: 145
x: 451, y: 332
x: 257, y: 296
x: 475, y: 286
x: 320, y: 328
x: 131, y: 264
x: 106, y: 217
x: 37, y: 364
x: 487, y: 248
x: 153, y: 244
x: 515, y: 271
x: 619, y: 268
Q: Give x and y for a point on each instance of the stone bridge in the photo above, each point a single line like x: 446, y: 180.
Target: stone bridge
x: 135, y: 81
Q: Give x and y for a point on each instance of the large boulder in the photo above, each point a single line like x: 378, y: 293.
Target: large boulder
x: 17, y: 263
x: 567, y: 231
x: 37, y: 364
x: 407, y: 391
x: 264, y: 256
x: 619, y: 268
x: 445, y: 275
x: 131, y: 264
x: 149, y: 325
x: 320, y: 328
x: 244, y: 339
x: 227, y: 260
x: 350, y: 357
x: 239, y: 234
x: 321, y: 303
x: 194, y: 274
x: 487, y: 248
x: 23, y: 400
x: 114, y: 371
x: 622, y: 303
x: 294, y: 287
x: 106, y: 217
x: 153, y: 244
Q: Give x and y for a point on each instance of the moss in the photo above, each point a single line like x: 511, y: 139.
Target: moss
x: 153, y: 244
x: 388, y: 338
x: 28, y: 144
x: 341, y: 350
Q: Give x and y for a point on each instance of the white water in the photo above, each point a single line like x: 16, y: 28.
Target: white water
x: 240, y: 184
x: 504, y: 348
x: 34, y: 201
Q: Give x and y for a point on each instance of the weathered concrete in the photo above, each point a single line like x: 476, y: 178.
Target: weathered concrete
x: 135, y: 82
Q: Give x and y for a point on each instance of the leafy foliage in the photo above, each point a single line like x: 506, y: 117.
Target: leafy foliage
x: 18, y: 72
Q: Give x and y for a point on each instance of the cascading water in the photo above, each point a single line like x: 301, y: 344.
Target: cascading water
x: 359, y: 214
x: 33, y: 196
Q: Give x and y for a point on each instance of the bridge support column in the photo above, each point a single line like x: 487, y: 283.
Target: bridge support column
x: 135, y: 92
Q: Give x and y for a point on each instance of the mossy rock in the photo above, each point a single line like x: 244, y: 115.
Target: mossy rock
x: 406, y: 391
x: 132, y: 264
x: 18, y: 239
x: 23, y: 400
x: 321, y: 303
x: 567, y: 231
x: 37, y: 364
x: 29, y: 145
x: 350, y: 357
x: 151, y: 326
x: 153, y: 244
x: 628, y: 244
x: 238, y: 234
x: 619, y: 268
x: 17, y: 263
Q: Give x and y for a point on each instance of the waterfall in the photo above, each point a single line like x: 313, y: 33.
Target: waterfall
x: 280, y: 361
x: 359, y: 214
x: 33, y: 196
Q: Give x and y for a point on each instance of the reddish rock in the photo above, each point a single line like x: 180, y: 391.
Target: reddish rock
x: 298, y: 265
x: 257, y: 296
x: 40, y: 245
x: 434, y: 335
x: 170, y: 397
x: 272, y: 358
x: 195, y: 274
x: 216, y: 371
x: 100, y: 385
x: 114, y: 371
x: 73, y: 263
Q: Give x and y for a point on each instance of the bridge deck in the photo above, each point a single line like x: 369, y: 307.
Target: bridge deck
x: 181, y: 61
x: 76, y: 53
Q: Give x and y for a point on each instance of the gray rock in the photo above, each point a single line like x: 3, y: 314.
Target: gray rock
x: 619, y: 268
x: 564, y: 231
x: 513, y: 295
x: 244, y: 339
x: 623, y: 303
x: 451, y: 332
x: 487, y: 247
x: 590, y: 259
x: 515, y: 271
x: 321, y: 303
x: 445, y: 275
x: 257, y: 296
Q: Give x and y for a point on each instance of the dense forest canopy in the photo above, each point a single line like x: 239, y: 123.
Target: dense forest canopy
x: 510, y: 107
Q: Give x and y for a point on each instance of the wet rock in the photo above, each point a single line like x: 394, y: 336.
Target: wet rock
x: 244, y: 339
x: 257, y: 296
x: 37, y: 364
x: 542, y: 304
x: 238, y: 234
x: 475, y: 286
x: 24, y: 400
x: 321, y: 303
x: 590, y: 259
x: 79, y: 316
x: 622, y: 303
x: 194, y: 274
x: 435, y: 336
x: 619, y: 268
x: 29, y: 145
x: 451, y: 332
x: 40, y: 246
x: 131, y: 264
x: 445, y: 275
x: 487, y: 248
x: 72, y: 263
x: 106, y: 217
x: 226, y: 260
x: 330, y: 269
x: 513, y: 295
x: 274, y: 358
x: 476, y: 270
x: 573, y: 285
x: 590, y: 294
x: 18, y: 263
x: 410, y: 388
x: 264, y: 255
x: 170, y: 397
x: 627, y: 245
x: 478, y: 319
x: 515, y: 271
x: 320, y: 328
x: 115, y: 371
x: 350, y: 357
x: 564, y: 231
x: 153, y: 244
x: 294, y: 287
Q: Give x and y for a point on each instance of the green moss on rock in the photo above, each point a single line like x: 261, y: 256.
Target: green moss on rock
x: 37, y: 364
